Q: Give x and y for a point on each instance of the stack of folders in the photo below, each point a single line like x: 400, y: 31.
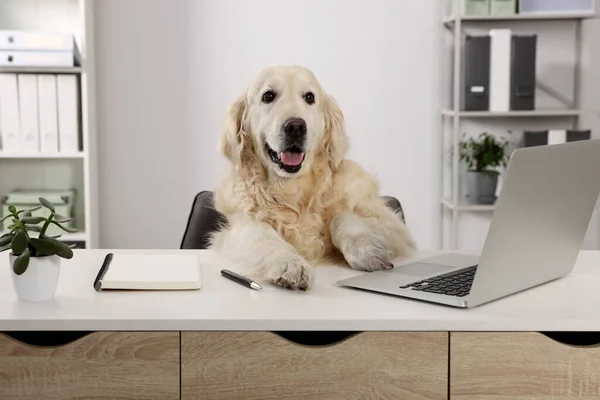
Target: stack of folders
x: 38, y: 49
x: 499, y: 72
x: 39, y: 112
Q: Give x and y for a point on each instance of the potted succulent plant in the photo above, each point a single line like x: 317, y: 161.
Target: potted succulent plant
x: 482, y: 156
x: 35, y: 261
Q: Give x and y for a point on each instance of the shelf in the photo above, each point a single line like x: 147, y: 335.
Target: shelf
x: 513, y: 114
x: 41, y: 70
x: 69, y: 237
x: 545, y: 16
x: 42, y: 156
x: 467, y: 207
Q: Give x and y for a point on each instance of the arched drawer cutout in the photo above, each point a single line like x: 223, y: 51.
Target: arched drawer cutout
x: 575, y: 339
x: 47, y: 338
x: 316, y: 338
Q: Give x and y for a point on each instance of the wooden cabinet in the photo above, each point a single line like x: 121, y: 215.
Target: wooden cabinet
x: 263, y: 365
x: 102, y: 365
x: 266, y: 365
x: 519, y: 366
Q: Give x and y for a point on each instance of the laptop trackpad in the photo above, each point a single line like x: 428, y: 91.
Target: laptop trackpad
x: 421, y: 269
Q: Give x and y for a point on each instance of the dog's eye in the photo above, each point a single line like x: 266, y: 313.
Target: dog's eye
x: 268, y: 96
x: 309, y: 98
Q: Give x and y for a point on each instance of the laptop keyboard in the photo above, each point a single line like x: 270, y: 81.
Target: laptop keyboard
x: 455, y: 283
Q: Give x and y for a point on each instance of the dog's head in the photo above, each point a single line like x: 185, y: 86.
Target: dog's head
x: 287, y: 121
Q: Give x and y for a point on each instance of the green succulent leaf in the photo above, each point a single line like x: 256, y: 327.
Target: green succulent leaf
x: 32, y: 220
x: 64, y: 228
x: 44, y: 247
x: 21, y: 263
x: 12, y: 209
x: 63, y: 250
x: 6, y: 234
x: 72, y: 246
x: 6, y: 239
x: 19, y: 243
x: 6, y: 217
x: 33, y: 228
x: 28, y: 213
x: 46, y: 204
x: 61, y: 219
x: 4, y: 248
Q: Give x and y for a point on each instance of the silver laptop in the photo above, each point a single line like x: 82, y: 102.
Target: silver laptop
x: 539, y: 223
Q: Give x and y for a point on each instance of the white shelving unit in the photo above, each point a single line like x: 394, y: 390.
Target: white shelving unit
x: 59, y: 170
x: 512, y: 114
x: 550, y: 16
x: 49, y: 156
x: 453, y: 117
x: 41, y: 70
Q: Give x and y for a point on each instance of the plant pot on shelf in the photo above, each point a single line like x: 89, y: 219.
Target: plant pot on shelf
x: 481, y: 187
x: 39, y: 281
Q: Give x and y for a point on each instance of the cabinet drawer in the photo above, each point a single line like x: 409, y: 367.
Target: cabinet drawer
x: 264, y: 365
x: 509, y: 365
x: 107, y: 365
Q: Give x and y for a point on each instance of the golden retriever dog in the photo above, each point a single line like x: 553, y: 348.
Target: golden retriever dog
x: 291, y: 198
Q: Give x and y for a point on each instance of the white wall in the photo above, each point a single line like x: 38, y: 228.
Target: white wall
x: 144, y: 136
x: 168, y: 69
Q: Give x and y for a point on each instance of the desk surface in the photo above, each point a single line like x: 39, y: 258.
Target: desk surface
x: 568, y: 304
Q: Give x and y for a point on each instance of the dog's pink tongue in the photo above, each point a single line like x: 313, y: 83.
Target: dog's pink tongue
x: 289, y: 158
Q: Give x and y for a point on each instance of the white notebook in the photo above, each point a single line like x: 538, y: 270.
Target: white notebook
x: 149, y: 272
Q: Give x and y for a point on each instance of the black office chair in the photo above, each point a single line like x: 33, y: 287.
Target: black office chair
x: 205, y: 219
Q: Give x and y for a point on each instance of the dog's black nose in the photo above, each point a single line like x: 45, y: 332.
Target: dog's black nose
x: 295, y: 127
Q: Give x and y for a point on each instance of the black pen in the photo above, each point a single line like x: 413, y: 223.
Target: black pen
x: 240, y: 279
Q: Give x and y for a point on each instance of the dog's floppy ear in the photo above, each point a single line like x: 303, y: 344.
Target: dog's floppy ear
x: 233, y: 136
x: 335, y: 142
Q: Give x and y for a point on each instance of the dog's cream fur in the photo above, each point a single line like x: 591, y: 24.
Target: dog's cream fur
x: 279, y: 225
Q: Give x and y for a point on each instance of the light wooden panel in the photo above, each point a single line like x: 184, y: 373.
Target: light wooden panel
x: 102, y: 365
x: 263, y: 365
x: 519, y: 366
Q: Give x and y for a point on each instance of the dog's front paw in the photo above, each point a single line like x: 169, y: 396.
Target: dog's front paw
x: 367, y: 252
x: 293, y: 274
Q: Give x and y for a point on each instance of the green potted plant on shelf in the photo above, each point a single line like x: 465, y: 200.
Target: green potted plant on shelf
x: 35, y: 261
x: 483, y: 155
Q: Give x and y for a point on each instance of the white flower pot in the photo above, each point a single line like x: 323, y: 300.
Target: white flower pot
x: 39, y: 281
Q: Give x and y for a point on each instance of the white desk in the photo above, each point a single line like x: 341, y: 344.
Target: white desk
x: 172, y: 345
x: 569, y: 304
